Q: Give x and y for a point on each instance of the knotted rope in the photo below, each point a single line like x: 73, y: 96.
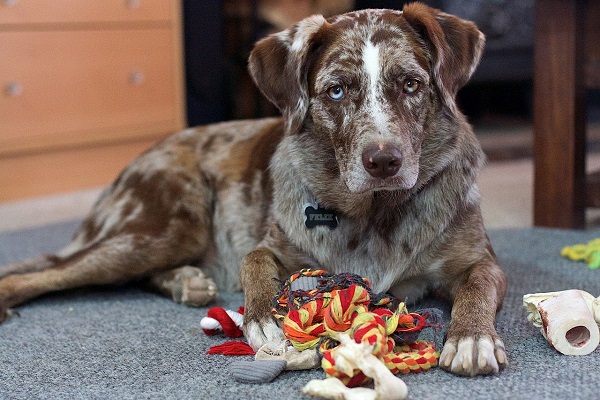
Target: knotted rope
x: 314, y: 306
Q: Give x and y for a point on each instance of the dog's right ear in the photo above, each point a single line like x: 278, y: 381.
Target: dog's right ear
x: 279, y: 67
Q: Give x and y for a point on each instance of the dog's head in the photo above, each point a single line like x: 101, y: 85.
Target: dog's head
x: 369, y: 85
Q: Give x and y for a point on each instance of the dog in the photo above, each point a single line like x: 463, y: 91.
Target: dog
x: 371, y: 170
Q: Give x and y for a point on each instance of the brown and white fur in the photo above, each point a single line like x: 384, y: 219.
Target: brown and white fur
x: 370, y: 130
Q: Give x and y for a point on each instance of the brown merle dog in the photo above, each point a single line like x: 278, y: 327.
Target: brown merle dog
x: 371, y: 170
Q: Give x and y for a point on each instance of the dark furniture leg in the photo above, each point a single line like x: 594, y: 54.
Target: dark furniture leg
x: 559, y: 115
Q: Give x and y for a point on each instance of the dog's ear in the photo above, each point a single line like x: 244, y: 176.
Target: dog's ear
x: 456, y: 45
x: 279, y: 67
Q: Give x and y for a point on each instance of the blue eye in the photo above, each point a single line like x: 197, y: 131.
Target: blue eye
x: 335, y: 93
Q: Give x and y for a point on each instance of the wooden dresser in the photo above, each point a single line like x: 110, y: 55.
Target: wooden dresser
x: 85, y: 86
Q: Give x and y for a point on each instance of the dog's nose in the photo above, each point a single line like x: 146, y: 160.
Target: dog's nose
x: 382, y: 161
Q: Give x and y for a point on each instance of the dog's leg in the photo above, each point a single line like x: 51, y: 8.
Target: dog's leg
x: 187, y: 285
x: 472, y: 345
x: 259, y: 277
x: 35, y: 264
x: 46, y: 261
x: 114, y: 260
x: 155, y: 216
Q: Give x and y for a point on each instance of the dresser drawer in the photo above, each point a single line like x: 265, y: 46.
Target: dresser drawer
x: 80, y: 11
x: 71, y: 87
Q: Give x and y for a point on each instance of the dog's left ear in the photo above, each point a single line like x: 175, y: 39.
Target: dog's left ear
x: 456, y: 44
x: 279, y: 67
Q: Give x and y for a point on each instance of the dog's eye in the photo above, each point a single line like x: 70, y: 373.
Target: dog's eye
x: 336, y: 93
x: 411, y: 86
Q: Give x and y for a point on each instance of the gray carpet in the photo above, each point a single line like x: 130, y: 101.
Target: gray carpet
x: 123, y: 343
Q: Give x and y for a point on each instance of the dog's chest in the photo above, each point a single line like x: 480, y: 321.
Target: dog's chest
x: 351, y: 246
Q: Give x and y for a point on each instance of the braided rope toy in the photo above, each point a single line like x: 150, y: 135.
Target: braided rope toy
x: 315, y: 307
x: 229, y: 322
x: 220, y: 320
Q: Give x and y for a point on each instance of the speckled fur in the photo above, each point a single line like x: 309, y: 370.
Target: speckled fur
x: 229, y: 197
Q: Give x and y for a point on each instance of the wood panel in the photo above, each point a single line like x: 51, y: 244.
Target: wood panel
x: 66, y: 170
x: 85, y: 86
x: 77, y: 87
x: 559, y: 115
x: 83, y: 11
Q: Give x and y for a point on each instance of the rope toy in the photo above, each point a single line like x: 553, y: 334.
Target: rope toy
x: 220, y: 320
x: 229, y: 322
x: 589, y: 253
x: 313, y: 317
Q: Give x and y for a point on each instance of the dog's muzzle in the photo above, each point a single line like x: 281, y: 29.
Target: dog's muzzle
x: 382, y: 161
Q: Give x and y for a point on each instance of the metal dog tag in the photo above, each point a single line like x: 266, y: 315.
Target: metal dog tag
x: 315, y: 215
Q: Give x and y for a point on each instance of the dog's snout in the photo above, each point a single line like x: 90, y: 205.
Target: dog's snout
x: 382, y: 161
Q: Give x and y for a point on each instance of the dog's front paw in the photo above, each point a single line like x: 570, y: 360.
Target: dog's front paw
x: 470, y: 356
x: 260, y: 332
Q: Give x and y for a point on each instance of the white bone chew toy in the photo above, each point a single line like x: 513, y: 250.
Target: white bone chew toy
x: 569, y: 319
x: 353, y: 356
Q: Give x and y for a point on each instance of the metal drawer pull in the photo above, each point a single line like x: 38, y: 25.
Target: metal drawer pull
x: 137, y: 78
x: 131, y: 3
x: 13, y: 89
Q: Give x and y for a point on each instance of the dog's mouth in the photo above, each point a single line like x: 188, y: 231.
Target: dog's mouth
x: 380, y: 168
x: 385, y: 166
x: 379, y: 184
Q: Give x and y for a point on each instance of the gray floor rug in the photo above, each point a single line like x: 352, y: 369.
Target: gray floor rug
x: 110, y: 343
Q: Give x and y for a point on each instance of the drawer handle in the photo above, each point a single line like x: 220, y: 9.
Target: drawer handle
x: 132, y: 3
x: 14, y: 89
x: 137, y: 78
x: 9, y: 2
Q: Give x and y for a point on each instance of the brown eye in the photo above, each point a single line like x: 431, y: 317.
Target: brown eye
x: 411, y: 86
x: 336, y: 92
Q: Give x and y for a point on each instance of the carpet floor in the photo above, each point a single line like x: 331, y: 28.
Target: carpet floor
x: 121, y: 342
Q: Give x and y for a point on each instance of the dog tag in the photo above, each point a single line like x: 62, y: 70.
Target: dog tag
x: 315, y: 215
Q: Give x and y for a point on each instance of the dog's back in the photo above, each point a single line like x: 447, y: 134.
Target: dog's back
x: 199, y: 197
